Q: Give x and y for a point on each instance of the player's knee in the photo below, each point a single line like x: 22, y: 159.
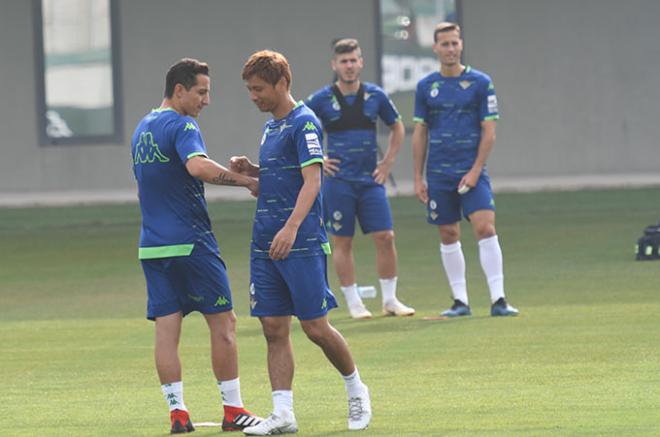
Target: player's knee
x: 384, y: 238
x: 316, y: 332
x: 274, y: 332
x: 485, y: 230
x: 449, y: 235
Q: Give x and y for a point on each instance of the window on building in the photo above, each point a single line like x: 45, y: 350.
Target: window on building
x: 77, y: 58
x: 406, y: 37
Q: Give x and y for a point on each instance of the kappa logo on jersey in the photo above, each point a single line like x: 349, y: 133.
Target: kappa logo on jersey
x: 465, y: 84
x: 313, y: 145
x: 147, y: 152
x: 190, y: 126
x: 309, y: 126
x: 492, y: 103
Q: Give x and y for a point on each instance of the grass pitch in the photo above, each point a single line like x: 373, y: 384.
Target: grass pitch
x: 583, y: 358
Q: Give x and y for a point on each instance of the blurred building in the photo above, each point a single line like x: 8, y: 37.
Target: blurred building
x: 576, y: 81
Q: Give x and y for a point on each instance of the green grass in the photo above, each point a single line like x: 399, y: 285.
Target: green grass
x: 583, y: 358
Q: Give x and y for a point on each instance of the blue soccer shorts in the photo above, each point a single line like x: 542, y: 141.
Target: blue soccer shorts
x: 295, y: 286
x: 446, y: 206
x: 186, y: 284
x: 344, y: 201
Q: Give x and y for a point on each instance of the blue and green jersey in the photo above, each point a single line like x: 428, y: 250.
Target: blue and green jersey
x: 453, y: 109
x: 175, y: 218
x: 355, y: 148
x: 288, y: 145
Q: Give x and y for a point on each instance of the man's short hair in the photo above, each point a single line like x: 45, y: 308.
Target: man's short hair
x: 346, y: 45
x: 184, y: 72
x: 268, y: 66
x: 445, y: 26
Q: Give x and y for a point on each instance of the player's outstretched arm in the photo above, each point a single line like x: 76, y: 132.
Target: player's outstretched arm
x: 284, y: 239
x: 419, y: 145
x: 211, y: 172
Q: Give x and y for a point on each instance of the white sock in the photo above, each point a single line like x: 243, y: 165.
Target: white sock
x: 351, y: 295
x: 454, y: 264
x: 173, y: 393
x: 282, y: 400
x: 231, y: 393
x: 490, y: 255
x: 354, y: 385
x: 388, y: 289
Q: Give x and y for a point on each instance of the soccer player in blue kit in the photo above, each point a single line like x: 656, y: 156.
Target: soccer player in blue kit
x: 354, y: 185
x: 455, y: 111
x: 289, y: 244
x: 178, y: 251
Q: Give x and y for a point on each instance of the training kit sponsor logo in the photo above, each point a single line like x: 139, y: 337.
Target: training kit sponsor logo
x: 492, y: 103
x: 313, y: 145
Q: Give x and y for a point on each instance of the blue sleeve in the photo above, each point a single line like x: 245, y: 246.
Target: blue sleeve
x: 313, y: 102
x: 386, y: 109
x: 488, y: 106
x: 421, y: 111
x: 308, y: 138
x: 188, y: 139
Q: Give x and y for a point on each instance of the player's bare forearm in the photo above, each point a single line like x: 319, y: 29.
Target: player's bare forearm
x: 420, y: 146
x: 211, y: 172
x: 486, y: 143
x: 384, y: 167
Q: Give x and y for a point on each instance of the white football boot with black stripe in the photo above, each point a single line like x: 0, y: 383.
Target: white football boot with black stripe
x: 282, y: 422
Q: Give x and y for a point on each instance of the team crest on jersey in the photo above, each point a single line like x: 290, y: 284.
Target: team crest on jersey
x: 465, y: 84
x: 432, y: 204
x: 337, y: 215
x: 434, y: 89
x: 335, y: 104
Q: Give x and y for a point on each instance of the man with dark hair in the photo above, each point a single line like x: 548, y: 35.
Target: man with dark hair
x: 289, y: 244
x: 456, y: 110
x: 178, y: 251
x: 354, y: 186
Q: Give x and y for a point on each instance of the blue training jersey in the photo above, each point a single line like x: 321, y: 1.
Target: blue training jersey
x: 288, y: 145
x: 175, y: 218
x: 453, y: 109
x: 355, y: 148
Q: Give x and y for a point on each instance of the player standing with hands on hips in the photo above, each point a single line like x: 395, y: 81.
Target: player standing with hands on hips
x: 354, y: 186
x: 289, y: 244
x: 455, y: 114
